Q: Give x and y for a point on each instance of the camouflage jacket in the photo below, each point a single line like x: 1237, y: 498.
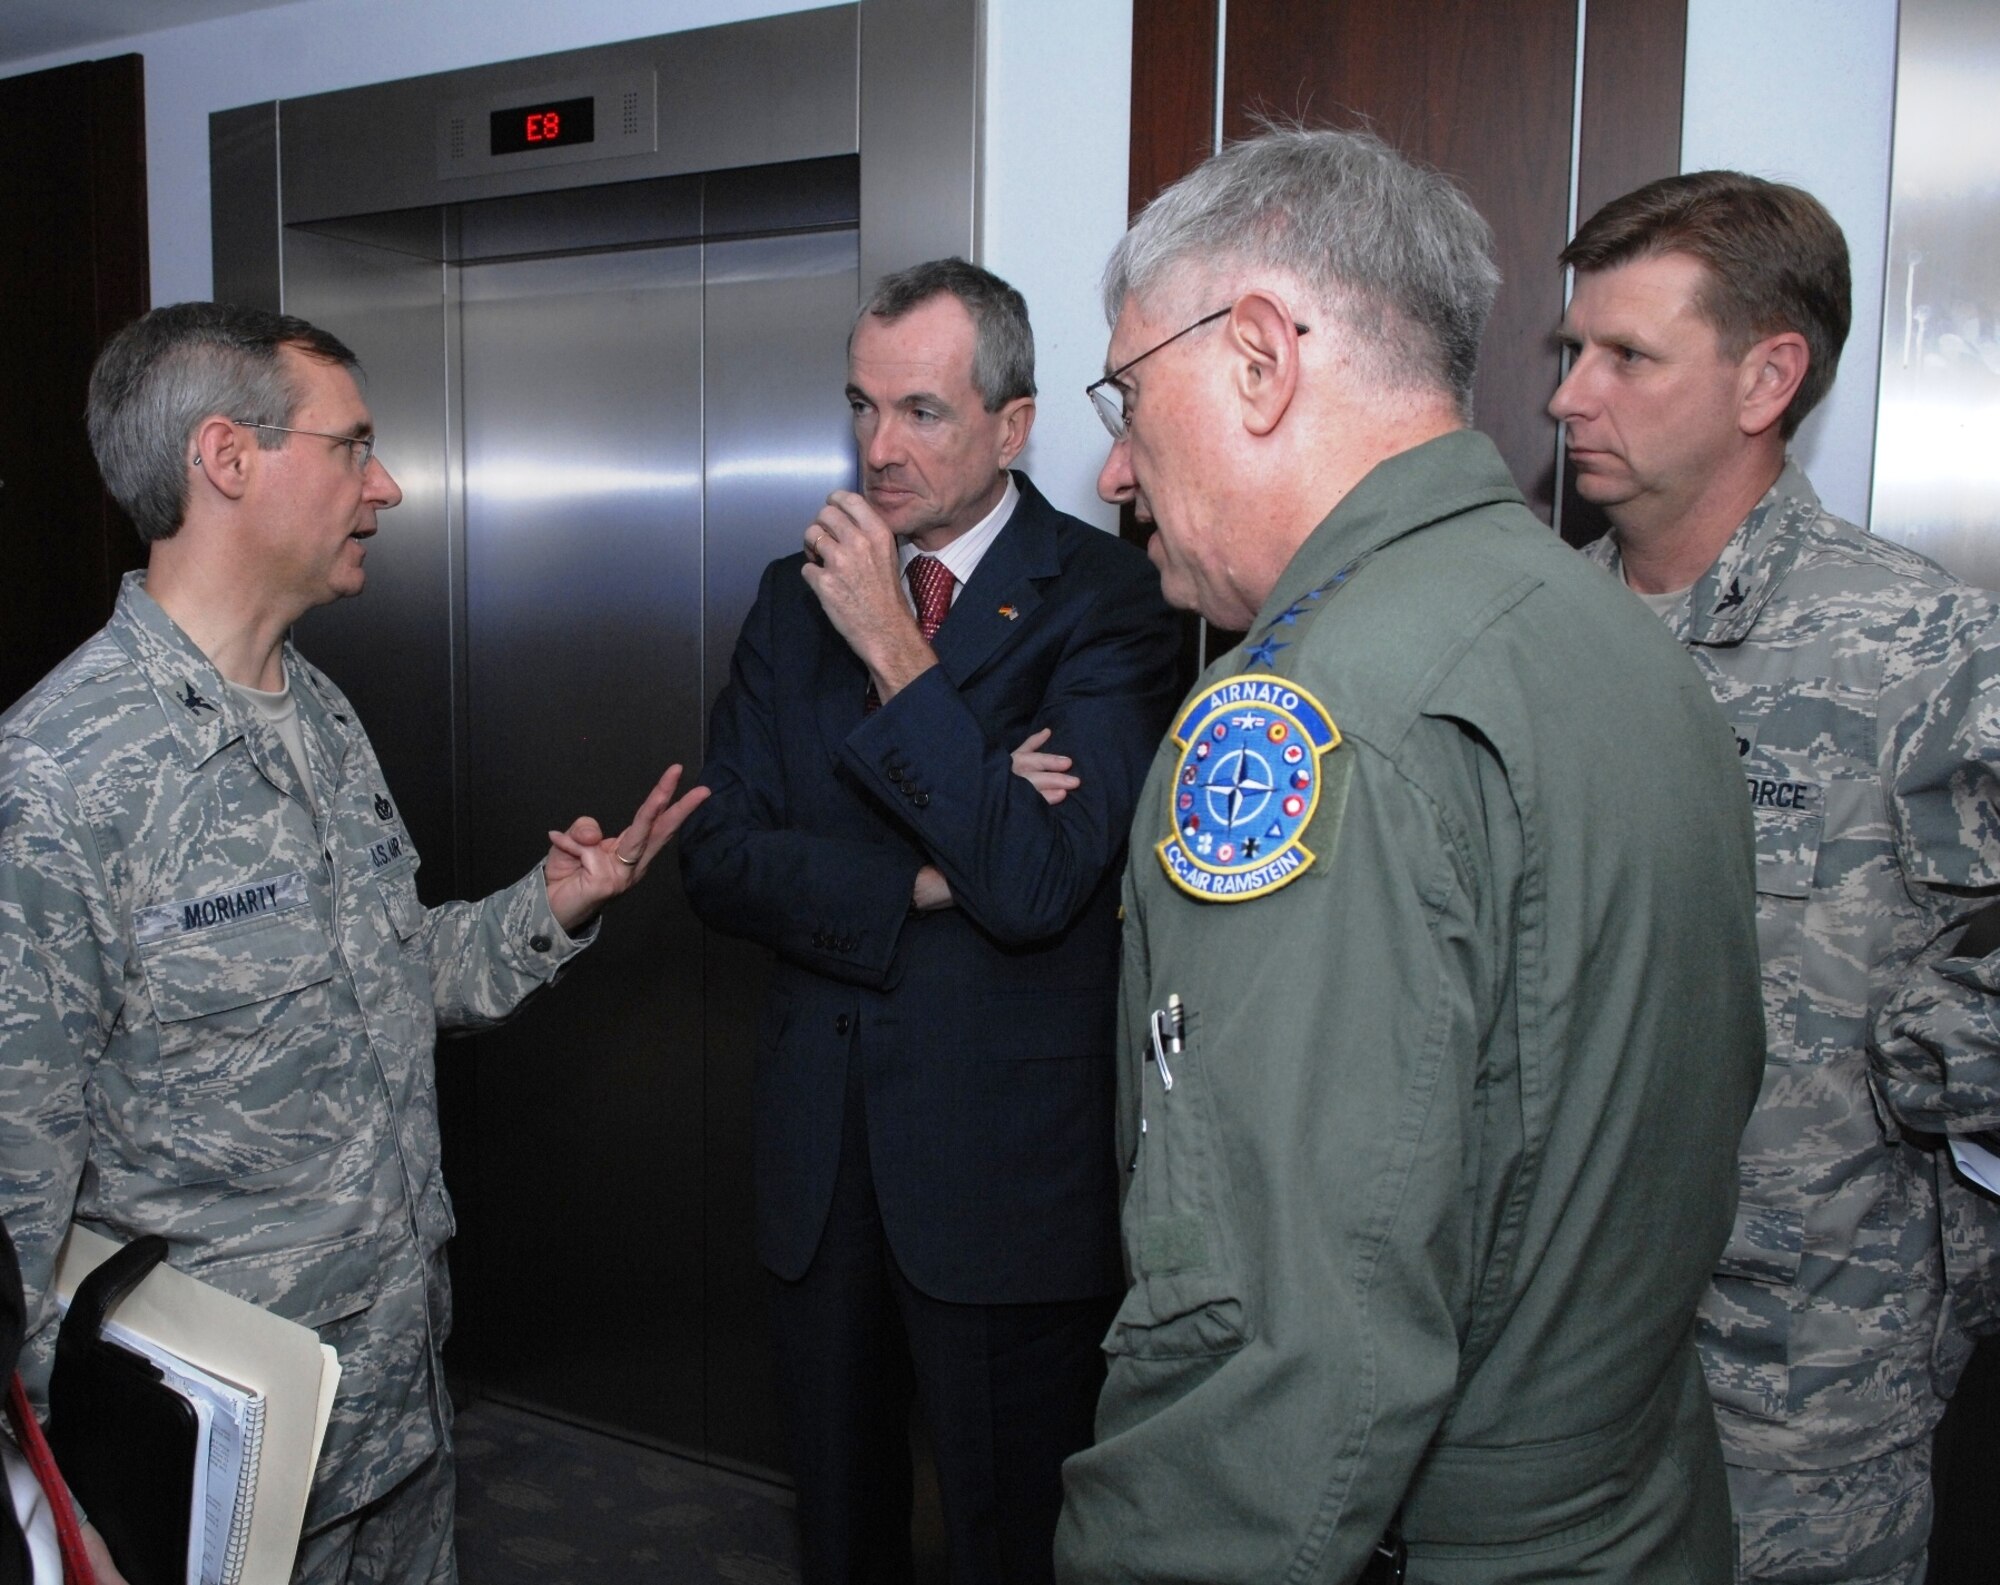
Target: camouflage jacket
x: 219, y: 1003
x: 1864, y: 686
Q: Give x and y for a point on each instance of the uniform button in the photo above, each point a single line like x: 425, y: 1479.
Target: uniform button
x: 819, y: 938
x: 921, y: 799
x: 538, y: 943
x: 842, y: 1023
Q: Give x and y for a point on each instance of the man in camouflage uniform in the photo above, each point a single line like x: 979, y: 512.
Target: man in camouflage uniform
x: 219, y: 993
x: 1864, y: 686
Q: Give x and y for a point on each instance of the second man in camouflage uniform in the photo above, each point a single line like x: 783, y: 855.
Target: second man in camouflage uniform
x: 1863, y: 684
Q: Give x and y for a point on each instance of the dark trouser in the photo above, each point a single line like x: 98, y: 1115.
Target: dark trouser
x: 1007, y: 1392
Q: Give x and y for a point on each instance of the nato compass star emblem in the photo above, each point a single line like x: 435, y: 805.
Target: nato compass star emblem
x: 1245, y: 788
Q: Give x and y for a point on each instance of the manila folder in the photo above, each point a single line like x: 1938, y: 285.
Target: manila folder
x: 249, y: 1346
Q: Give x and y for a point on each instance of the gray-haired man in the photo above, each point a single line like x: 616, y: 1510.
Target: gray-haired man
x: 219, y: 993
x: 935, y: 1199
x: 1439, y: 1012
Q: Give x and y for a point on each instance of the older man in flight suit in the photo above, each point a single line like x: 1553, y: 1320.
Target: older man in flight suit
x: 1439, y: 1010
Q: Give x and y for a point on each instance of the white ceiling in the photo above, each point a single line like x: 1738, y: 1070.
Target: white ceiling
x: 32, y: 28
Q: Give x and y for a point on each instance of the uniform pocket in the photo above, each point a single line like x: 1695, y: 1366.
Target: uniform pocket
x: 1186, y: 1299
x: 222, y: 968
x: 1746, y: 1321
x: 249, y: 1056
x: 314, y: 1284
x: 1788, y: 812
x: 401, y: 903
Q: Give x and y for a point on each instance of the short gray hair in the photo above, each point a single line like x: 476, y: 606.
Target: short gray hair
x: 1003, y: 348
x: 1392, y: 250
x: 160, y: 376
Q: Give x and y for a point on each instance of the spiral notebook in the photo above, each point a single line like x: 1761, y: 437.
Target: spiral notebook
x: 228, y: 1450
x: 263, y: 1388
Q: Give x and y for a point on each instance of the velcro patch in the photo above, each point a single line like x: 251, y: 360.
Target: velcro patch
x: 1245, y: 788
x: 275, y: 895
x: 1774, y: 792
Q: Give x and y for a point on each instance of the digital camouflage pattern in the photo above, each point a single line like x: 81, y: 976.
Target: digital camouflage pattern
x: 1863, y: 683
x: 219, y: 1002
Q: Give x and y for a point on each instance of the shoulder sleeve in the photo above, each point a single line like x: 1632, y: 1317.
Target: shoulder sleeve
x: 1298, y: 1221
x: 1936, y: 1047
x: 58, y: 1003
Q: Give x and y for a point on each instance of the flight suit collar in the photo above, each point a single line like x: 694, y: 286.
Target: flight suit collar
x: 1439, y: 479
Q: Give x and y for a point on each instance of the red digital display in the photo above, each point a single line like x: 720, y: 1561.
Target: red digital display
x: 550, y: 126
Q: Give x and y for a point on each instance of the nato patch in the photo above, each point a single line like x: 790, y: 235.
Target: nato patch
x: 1245, y: 788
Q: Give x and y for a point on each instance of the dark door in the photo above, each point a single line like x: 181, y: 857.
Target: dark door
x: 1487, y: 93
x: 72, y: 270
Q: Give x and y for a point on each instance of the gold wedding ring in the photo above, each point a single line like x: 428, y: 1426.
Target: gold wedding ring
x: 622, y: 859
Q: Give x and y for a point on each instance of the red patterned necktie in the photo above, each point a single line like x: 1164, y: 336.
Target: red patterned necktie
x: 931, y: 584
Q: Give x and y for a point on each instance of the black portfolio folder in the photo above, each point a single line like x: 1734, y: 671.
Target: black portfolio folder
x: 124, y: 1440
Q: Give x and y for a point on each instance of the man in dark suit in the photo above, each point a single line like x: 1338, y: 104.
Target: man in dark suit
x: 937, y: 1190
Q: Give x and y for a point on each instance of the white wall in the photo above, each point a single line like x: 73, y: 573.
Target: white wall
x: 1058, y: 131
x: 1804, y: 91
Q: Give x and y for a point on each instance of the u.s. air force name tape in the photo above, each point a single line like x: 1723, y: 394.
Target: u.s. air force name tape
x: 273, y: 895
x: 1245, y: 788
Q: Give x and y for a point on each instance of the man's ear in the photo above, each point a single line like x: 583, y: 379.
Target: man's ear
x: 221, y: 455
x: 1017, y: 418
x: 1770, y: 374
x: 1264, y: 339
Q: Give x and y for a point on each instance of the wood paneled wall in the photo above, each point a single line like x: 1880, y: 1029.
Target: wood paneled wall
x: 1485, y: 91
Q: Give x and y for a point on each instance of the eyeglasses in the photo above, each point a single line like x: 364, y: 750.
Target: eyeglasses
x: 1112, y: 409
x: 360, y: 447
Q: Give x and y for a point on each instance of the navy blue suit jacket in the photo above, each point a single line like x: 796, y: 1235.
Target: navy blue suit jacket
x: 985, y: 1030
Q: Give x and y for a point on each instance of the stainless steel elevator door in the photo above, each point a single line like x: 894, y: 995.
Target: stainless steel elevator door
x: 644, y: 431
x: 581, y: 398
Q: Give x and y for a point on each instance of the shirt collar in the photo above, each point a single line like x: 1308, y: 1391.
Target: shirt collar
x: 1725, y: 601
x: 205, y: 714
x: 963, y: 555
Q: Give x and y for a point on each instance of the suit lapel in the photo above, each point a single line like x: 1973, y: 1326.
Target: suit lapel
x: 1002, y: 594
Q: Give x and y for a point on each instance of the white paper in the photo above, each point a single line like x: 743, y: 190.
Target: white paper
x: 1977, y: 1163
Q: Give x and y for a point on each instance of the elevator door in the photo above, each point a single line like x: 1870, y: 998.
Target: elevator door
x: 630, y: 435
x: 644, y: 431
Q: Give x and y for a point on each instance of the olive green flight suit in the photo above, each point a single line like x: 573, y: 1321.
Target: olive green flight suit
x: 1418, y: 1233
